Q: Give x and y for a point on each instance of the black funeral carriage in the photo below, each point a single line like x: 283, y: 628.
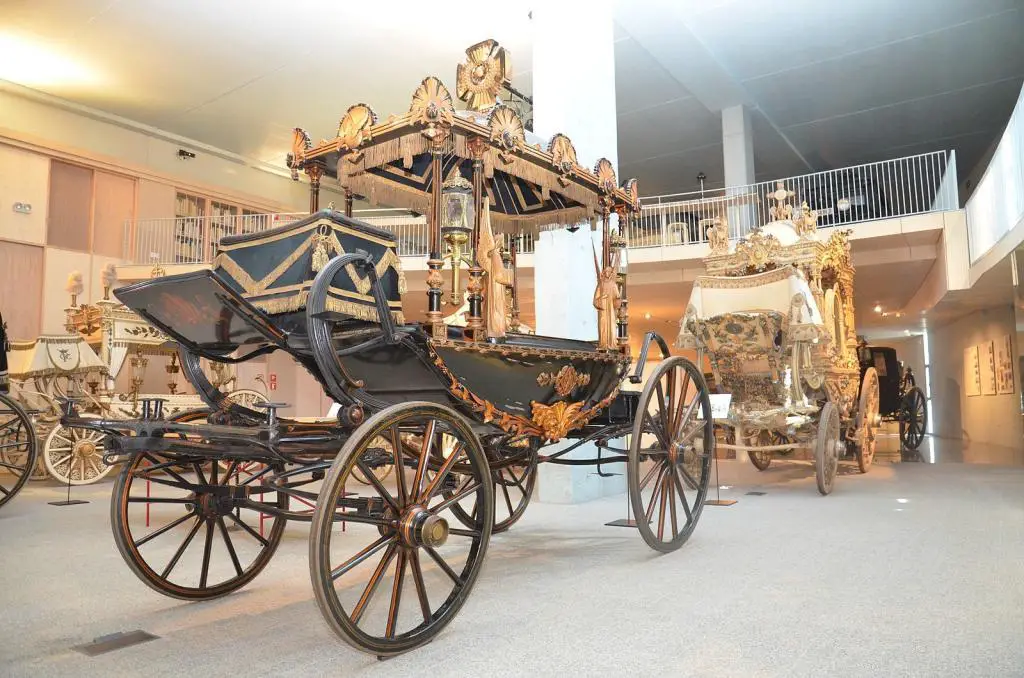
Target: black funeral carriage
x: 900, y: 398
x: 17, y: 435
x: 440, y: 429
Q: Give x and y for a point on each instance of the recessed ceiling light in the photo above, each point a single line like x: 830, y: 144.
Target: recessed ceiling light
x: 907, y: 332
x: 35, y: 63
x: 878, y: 308
x: 647, y: 316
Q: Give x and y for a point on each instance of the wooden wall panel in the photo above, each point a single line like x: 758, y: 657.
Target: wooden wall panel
x: 21, y: 288
x: 70, y: 207
x: 24, y: 178
x: 114, y: 204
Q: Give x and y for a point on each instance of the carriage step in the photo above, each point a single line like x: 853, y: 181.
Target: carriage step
x: 114, y: 641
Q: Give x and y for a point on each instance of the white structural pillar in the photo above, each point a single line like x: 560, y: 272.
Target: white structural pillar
x: 578, y: 101
x: 738, y: 157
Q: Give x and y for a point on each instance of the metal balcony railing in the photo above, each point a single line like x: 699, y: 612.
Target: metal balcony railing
x: 883, y: 190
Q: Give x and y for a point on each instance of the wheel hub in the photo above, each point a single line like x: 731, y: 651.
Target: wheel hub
x: 209, y: 505
x: 84, y: 449
x: 419, y: 527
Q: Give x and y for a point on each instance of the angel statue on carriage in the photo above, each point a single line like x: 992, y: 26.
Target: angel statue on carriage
x: 440, y: 427
x: 774, y: 315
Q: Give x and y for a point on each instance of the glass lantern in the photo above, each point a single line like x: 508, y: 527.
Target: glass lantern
x: 457, y: 227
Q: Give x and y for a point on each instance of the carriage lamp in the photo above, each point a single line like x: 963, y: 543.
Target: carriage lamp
x: 620, y: 257
x: 172, y: 374
x: 92, y: 380
x: 137, y: 364
x: 457, y: 228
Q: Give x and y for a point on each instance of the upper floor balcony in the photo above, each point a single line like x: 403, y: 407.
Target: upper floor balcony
x: 848, y: 197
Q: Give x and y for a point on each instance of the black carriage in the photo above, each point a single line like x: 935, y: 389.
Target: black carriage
x: 440, y: 429
x: 900, y: 398
x: 17, y: 435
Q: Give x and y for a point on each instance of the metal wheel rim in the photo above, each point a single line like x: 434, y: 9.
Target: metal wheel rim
x: 18, y: 448
x: 826, y: 453
x: 913, y: 418
x: 393, y: 536
x: 666, y: 392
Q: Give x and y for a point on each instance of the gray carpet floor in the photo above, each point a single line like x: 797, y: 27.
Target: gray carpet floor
x: 912, y: 570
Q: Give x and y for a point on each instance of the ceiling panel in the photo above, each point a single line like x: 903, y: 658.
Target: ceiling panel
x: 752, y: 38
x: 958, y: 59
x: 665, y: 129
x: 677, y: 173
x: 640, y: 80
x: 913, y: 123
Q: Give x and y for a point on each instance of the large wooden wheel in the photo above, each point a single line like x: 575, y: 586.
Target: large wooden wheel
x: 513, y: 489
x: 670, y: 450
x: 192, y: 530
x: 74, y: 456
x: 867, y: 420
x: 913, y: 418
x: 826, y: 448
x: 17, y: 448
x: 401, y: 530
x: 762, y: 460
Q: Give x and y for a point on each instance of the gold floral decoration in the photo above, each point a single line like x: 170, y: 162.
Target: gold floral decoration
x: 555, y: 421
x: 759, y: 250
x: 482, y: 76
x: 565, y: 381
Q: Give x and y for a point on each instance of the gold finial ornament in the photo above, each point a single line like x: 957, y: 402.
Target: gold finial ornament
x: 807, y: 224
x: 782, y: 210
x: 354, y: 127
x: 432, y: 106
x: 478, y: 80
x: 300, y: 145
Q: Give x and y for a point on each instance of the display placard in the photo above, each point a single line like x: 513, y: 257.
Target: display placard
x: 987, y: 367
x: 719, y: 406
x: 972, y: 372
x: 1004, y: 366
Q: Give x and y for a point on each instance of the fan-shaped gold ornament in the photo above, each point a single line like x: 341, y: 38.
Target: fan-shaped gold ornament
x: 432, y: 103
x: 605, y: 175
x: 563, y: 154
x: 354, y: 128
x: 482, y: 76
x: 507, y: 128
x: 300, y: 144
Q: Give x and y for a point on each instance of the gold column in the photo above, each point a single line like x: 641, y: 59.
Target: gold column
x: 474, y: 320
x: 315, y: 172
x: 435, y: 281
x: 348, y: 202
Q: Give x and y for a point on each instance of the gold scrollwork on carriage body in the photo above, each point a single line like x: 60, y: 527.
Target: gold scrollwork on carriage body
x: 565, y: 381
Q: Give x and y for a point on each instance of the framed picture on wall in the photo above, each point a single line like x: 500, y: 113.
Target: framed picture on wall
x: 987, y: 358
x: 1004, y: 365
x: 972, y: 372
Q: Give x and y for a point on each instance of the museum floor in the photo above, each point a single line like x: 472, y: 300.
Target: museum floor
x: 913, y: 569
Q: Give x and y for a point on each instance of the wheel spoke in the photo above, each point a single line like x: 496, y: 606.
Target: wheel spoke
x: 463, y: 492
x: 207, y: 549
x: 160, y: 500
x: 166, y: 528
x: 229, y: 544
x: 425, y: 447
x: 377, y: 484
x: 682, y: 495
x: 361, y: 556
x: 473, y: 534
x: 686, y: 420
x: 12, y: 467
x: 661, y: 508
x: 662, y: 406
x: 658, y: 487
x: 678, y: 417
x: 421, y: 587
x: 181, y: 549
x: 444, y: 566
x: 672, y: 505
x: 232, y: 467
x: 371, y: 586
x: 396, y: 594
x: 253, y: 533
x: 662, y: 438
x: 508, y: 499
x: 441, y: 474
x: 399, y: 459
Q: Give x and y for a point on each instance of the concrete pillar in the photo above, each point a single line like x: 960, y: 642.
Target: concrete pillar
x: 580, y: 103
x: 738, y: 158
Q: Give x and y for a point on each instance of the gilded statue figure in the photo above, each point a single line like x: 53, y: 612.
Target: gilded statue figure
x: 488, y: 255
x: 606, y: 301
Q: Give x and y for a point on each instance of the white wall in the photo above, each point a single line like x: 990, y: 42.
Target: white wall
x: 985, y: 419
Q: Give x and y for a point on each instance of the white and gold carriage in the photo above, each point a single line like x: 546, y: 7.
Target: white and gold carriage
x: 775, y: 317
x: 84, y: 364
